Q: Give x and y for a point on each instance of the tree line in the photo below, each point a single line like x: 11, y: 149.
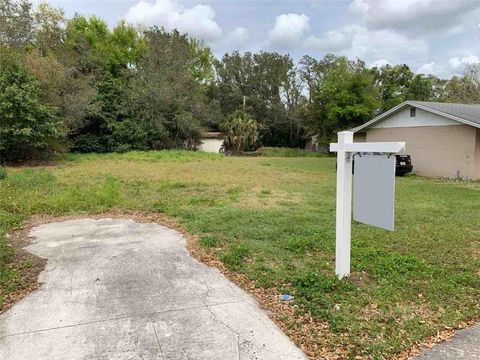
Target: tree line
x: 77, y: 85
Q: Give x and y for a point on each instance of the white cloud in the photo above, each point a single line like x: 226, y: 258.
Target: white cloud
x: 457, y: 62
x: 333, y: 41
x: 379, y: 32
x: 238, y: 36
x: 237, y: 39
x: 446, y: 69
x: 369, y: 45
x: 456, y: 30
x: 427, y: 68
x: 413, y: 14
x: 388, y: 44
x: 380, y: 62
x: 198, y: 21
x: 289, y: 30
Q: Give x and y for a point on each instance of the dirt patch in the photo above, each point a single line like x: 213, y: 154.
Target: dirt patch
x: 259, y: 198
x: 360, y: 279
x: 29, y: 267
x: 309, y: 334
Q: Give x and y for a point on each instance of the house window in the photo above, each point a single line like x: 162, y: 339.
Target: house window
x: 413, y: 112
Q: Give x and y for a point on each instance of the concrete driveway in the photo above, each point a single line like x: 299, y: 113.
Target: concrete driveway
x: 464, y: 345
x: 118, y: 289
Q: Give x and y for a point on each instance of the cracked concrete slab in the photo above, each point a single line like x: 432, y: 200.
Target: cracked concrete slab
x: 465, y: 345
x: 118, y: 289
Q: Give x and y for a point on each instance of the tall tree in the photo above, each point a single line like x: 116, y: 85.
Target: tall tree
x: 266, y: 85
x: 201, y: 62
x: 343, y: 96
x: 424, y: 88
x: 393, y: 83
x: 167, y: 95
x: 49, y: 28
x: 27, y: 127
x: 464, y: 89
x: 105, y: 58
x: 17, y: 22
x: 398, y: 83
x: 122, y: 88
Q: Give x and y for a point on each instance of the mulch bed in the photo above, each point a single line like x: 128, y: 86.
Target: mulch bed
x: 307, y: 333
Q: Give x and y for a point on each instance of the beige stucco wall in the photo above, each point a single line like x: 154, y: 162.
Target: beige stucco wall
x: 211, y: 145
x: 359, y: 137
x: 446, y: 151
x: 477, y: 155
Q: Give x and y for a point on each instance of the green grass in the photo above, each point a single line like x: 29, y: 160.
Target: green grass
x: 3, y: 173
x: 288, y: 152
x: 168, y: 155
x: 273, y: 219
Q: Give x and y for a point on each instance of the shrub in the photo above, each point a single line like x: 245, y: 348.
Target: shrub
x: 128, y: 135
x: 28, y: 128
x: 88, y: 143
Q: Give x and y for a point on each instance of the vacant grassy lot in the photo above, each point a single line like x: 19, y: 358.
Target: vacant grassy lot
x: 273, y: 219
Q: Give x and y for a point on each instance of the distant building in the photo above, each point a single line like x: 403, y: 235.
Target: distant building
x: 211, y: 142
x: 443, y: 139
x: 311, y: 143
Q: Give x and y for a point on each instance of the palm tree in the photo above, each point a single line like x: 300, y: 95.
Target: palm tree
x: 240, y: 131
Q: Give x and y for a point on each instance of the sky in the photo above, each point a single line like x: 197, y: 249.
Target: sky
x: 431, y: 36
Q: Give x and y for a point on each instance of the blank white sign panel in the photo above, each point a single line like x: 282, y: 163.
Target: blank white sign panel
x: 374, y: 190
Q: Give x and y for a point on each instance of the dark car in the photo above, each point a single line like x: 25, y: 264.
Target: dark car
x: 403, y: 165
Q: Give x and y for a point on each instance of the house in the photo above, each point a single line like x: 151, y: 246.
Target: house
x: 211, y: 142
x: 443, y: 139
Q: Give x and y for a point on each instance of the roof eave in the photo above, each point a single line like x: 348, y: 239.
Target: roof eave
x: 417, y: 105
x: 449, y: 116
x: 381, y: 116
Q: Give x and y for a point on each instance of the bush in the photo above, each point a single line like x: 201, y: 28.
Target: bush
x: 184, y: 131
x: 87, y: 143
x: 28, y: 128
x: 128, y: 135
x: 3, y: 173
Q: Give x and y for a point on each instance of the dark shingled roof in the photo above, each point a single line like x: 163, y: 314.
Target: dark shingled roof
x: 212, y: 135
x: 464, y: 111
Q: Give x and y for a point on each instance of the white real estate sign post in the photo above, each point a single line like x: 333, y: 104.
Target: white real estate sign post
x: 345, y: 149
